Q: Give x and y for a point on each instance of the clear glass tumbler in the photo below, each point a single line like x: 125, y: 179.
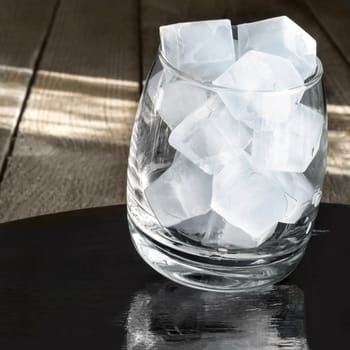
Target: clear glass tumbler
x: 224, y: 185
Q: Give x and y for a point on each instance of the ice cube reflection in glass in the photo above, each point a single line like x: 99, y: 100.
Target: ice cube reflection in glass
x: 224, y: 184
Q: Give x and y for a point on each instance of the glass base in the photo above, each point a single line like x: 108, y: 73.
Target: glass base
x: 212, y: 273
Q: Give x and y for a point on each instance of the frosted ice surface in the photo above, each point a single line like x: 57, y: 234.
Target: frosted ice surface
x: 248, y: 199
x: 222, y: 234
x: 183, y: 191
x: 206, y: 72
x: 252, y: 74
x: 210, y: 137
x: 200, y: 226
x: 299, y: 193
x: 195, y: 226
x: 260, y: 71
x: 290, y: 146
x: 154, y: 86
x: 214, y: 231
x: 201, y: 49
x: 317, y: 168
x: 280, y: 36
x: 179, y: 99
x: 234, y: 236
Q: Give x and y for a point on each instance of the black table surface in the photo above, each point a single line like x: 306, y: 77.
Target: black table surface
x: 74, y: 280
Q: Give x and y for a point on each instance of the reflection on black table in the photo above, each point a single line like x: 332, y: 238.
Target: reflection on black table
x: 168, y: 316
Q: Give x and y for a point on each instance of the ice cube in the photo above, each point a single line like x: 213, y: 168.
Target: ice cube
x: 316, y: 170
x: 178, y: 99
x: 173, y: 98
x: 299, y: 193
x: 200, y: 226
x: 206, y: 46
x: 290, y: 146
x: 183, y: 191
x: 280, y: 36
x: 223, y: 235
x: 234, y: 236
x: 212, y: 230
x: 195, y: 226
x: 210, y: 137
x: 205, y: 72
x: 248, y: 199
x: 260, y: 83
x: 259, y: 71
x: 154, y: 87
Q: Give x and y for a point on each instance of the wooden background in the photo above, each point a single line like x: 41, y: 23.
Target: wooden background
x: 71, y: 72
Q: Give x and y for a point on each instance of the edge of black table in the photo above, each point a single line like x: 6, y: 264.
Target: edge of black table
x: 74, y: 279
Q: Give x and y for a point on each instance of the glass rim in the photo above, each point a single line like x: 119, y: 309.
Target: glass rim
x: 308, y: 83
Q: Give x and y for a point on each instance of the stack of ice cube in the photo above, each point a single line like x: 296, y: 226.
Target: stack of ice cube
x: 243, y: 139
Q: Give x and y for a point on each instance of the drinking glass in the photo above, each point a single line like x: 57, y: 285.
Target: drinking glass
x: 194, y: 250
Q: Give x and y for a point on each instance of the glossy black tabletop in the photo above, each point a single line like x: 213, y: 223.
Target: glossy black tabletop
x: 74, y: 281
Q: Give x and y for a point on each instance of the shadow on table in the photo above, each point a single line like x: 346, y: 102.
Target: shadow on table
x: 168, y: 316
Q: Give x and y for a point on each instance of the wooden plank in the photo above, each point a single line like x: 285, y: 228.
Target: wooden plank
x: 23, y: 25
x: 337, y: 72
x: 334, y: 17
x: 71, y: 150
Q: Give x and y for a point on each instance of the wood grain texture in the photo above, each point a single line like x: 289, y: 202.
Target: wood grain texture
x: 337, y: 72
x: 72, y: 145
x: 334, y: 16
x: 22, y: 29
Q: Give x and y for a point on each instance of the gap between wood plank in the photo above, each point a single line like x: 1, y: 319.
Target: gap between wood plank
x: 12, y: 140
